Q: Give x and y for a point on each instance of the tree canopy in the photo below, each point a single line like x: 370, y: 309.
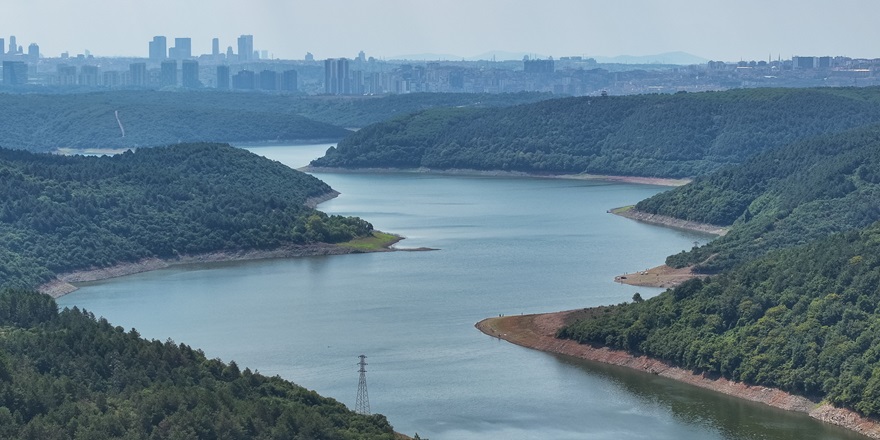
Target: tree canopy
x: 61, y: 213
x: 678, y: 135
x: 68, y: 375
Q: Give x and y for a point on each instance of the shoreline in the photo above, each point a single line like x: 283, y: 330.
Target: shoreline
x: 538, y: 332
x: 663, y: 276
x: 631, y: 213
x: 64, y: 282
x: 499, y: 173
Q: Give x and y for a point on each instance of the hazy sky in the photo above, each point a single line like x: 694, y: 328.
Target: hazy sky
x: 727, y: 30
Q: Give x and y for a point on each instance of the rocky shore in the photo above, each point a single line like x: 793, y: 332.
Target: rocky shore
x: 672, y: 222
x: 539, y: 332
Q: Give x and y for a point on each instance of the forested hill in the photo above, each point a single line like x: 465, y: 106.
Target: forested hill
x: 66, y: 375
x: 49, y: 122
x: 782, y: 198
x: 678, y: 135
x: 61, y: 213
x: 805, y: 320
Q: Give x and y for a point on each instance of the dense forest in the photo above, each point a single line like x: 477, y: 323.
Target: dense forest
x: 786, y: 197
x: 66, y: 375
x: 48, y: 122
x: 679, y: 135
x: 805, y: 320
x: 60, y: 213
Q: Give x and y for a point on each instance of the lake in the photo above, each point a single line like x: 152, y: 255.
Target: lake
x: 505, y: 246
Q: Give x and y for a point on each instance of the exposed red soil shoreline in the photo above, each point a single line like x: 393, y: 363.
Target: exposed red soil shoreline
x: 539, y: 332
x: 499, y: 173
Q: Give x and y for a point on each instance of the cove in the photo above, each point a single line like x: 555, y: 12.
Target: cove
x: 506, y: 246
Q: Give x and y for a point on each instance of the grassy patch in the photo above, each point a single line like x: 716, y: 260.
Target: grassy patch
x: 377, y: 241
x: 622, y: 209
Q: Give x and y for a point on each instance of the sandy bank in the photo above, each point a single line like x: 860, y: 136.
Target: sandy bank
x: 64, y: 282
x: 538, y: 332
x: 499, y: 173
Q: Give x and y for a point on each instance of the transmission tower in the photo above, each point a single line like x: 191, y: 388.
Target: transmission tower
x: 363, y: 399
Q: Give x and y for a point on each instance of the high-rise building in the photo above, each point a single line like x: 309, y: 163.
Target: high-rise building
x: 189, y: 75
x: 245, y: 48
x: 66, y: 74
x: 182, y: 49
x: 230, y: 55
x: 15, y: 73
x: 111, y: 79
x: 88, y: 76
x: 215, y: 47
x: 158, y: 48
x: 289, y: 81
x: 34, y: 52
x: 268, y: 80
x: 243, y: 80
x: 168, y: 74
x: 138, y: 72
x: 13, y: 48
x: 223, y: 77
x: 2, y: 47
x: 336, y: 76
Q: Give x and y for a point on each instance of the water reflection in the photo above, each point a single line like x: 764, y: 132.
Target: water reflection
x: 730, y: 417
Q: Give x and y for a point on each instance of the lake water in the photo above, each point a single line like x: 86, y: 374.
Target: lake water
x: 506, y: 246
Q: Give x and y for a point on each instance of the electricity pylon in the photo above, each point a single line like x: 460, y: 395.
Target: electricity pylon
x: 363, y: 399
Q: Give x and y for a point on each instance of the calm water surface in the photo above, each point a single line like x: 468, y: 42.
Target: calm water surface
x: 506, y: 246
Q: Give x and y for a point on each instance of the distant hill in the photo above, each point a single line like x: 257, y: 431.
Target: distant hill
x: 48, y: 122
x: 63, y: 213
x: 678, y: 135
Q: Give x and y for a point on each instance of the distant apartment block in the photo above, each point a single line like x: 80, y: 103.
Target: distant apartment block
x: 538, y: 66
x: 189, y: 74
x: 289, y: 81
x: 336, y: 76
x: 168, y: 73
x: 223, y: 77
x: 244, y: 80
x: 138, y: 74
x: 15, y: 73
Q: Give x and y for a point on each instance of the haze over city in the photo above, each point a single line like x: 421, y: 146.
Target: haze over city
x: 720, y: 30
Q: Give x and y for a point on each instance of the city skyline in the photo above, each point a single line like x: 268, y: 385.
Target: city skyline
x: 729, y: 31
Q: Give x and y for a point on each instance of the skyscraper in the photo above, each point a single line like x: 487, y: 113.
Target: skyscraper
x: 189, y: 75
x: 2, y: 47
x: 215, y: 47
x: 13, y: 48
x: 158, y: 48
x: 182, y: 49
x: 245, y: 48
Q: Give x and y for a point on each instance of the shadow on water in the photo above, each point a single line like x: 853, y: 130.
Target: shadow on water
x: 731, y: 417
